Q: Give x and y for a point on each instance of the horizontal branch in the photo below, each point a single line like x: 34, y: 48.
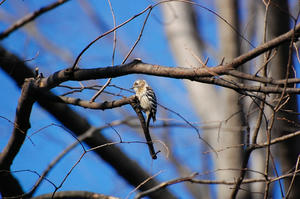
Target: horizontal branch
x: 192, y: 179
x: 264, y: 144
x: 255, y: 78
x: 134, y: 67
x: 199, y: 74
x: 88, y: 104
x: 203, y: 75
x: 245, y: 181
x: 75, y: 194
x: 109, y: 105
x: 75, y: 122
x: 247, y: 87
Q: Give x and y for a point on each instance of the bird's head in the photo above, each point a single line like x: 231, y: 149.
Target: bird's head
x: 139, y: 84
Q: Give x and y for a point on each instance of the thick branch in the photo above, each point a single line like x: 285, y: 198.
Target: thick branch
x: 74, y: 195
x: 135, y: 67
x: 286, y: 37
x: 21, y: 126
x: 9, y: 185
x: 196, y: 74
x: 203, y: 75
x: 123, y: 165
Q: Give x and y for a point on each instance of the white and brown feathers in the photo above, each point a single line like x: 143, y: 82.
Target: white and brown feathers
x: 148, y: 104
x: 147, y: 99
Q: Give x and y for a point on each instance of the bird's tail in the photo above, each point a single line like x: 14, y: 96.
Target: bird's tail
x: 149, y: 139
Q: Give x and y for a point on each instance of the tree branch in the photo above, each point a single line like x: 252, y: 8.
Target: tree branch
x: 21, y: 125
x: 30, y: 17
x: 138, y: 112
x: 200, y: 74
x: 164, y: 185
x: 8, y: 185
x: 123, y: 165
x: 88, y: 104
x: 75, y: 195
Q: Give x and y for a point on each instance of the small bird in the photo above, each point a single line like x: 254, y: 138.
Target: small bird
x: 148, y: 103
x: 147, y: 99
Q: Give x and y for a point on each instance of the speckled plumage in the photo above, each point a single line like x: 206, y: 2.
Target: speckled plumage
x: 147, y: 99
x: 148, y: 104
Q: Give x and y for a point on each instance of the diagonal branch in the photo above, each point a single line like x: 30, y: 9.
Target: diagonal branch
x: 195, y: 74
x: 137, y: 110
x: 30, y: 17
x: 21, y: 125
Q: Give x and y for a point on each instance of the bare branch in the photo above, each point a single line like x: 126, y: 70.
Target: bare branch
x: 75, y: 194
x: 196, y: 74
x: 89, y: 133
x: 88, y: 104
x: 277, y: 140
x: 30, y: 17
x: 75, y: 122
x: 21, y: 126
x: 137, y: 109
x: 106, y: 33
x: 165, y: 184
x: 293, y: 179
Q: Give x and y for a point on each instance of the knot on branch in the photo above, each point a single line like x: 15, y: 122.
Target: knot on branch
x: 69, y: 72
x: 137, y: 60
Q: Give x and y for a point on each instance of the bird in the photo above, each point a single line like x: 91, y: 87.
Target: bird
x: 147, y: 99
x: 148, y: 103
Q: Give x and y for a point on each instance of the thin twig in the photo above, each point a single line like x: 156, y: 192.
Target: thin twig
x: 106, y: 33
x: 30, y: 17
x: 113, y: 54
x: 142, y: 183
x: 164, y: 185
x: 58, y: 158
x: 293, y: 179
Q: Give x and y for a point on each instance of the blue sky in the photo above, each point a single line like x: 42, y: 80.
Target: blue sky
x: 69, y: 28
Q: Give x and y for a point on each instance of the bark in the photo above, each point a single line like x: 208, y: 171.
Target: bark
x: 182, y: 34
x: 288, y: 152
x: 9, y: 186
x: 184, y: 40
x: 231, y: 103
x: 210, y: 105
x: 75, y: 195
x: 124, y: 166
x: 258, y: 156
